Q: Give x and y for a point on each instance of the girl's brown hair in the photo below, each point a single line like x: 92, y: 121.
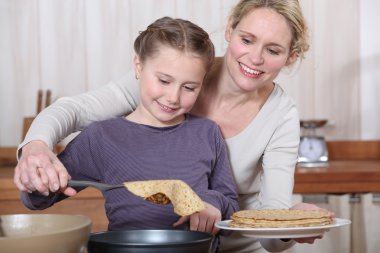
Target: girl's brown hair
x: 180, y: 34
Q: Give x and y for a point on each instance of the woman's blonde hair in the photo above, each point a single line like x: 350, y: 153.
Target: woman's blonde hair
x: 289, y: 9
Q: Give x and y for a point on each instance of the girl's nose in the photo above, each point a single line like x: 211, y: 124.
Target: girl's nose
x: 172, y: 95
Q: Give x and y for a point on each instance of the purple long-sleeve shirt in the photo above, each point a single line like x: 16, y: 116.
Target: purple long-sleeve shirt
x: 117, y: 150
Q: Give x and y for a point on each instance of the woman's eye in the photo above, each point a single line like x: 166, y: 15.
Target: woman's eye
x: 246, y: 41
x: 273, y: 52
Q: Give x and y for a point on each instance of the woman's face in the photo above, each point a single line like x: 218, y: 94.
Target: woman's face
x: 258, y: 48
x: 170, y: 82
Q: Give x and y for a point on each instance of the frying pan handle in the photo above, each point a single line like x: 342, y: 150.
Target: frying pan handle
x: 78, y: 183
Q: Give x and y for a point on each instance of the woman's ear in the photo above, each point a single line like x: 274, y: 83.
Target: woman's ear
x: 228, y: 31
x: 292, y: 58
x: 137, y: 65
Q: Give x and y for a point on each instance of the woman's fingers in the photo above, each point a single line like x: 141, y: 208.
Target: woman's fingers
x: 40, y: 170
x: 309, y: 240
x: 62, y: 173
x: 17, y: 179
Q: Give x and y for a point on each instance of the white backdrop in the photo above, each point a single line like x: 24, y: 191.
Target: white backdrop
x: 71, y: 46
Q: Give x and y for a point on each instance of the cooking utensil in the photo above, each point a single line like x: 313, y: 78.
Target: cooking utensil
x: 100, y: 186
x: 44, y: 233
x: 149, y: 241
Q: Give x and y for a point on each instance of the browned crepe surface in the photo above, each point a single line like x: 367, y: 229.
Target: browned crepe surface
x: 185, y: 201
x: 280, y: 218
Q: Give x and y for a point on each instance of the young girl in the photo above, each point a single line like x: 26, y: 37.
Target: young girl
x: 159, y: 140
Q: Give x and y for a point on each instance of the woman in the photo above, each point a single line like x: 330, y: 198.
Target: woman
x: 258, y: 120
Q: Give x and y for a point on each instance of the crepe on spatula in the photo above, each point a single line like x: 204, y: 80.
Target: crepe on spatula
x: 185, y: 201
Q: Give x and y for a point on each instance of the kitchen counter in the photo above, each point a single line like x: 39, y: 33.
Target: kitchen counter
x: 354, y: 167
x: 339, y: 177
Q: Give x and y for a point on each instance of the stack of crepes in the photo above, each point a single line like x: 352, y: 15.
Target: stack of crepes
x: 279, y: 218
x: 185, y: 201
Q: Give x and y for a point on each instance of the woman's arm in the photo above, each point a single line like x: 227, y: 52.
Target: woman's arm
x: 70, y: 114
x: 279, y: 161
x: 83, y: 160
x: 38, y: 168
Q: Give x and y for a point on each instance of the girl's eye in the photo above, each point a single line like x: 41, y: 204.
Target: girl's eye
x: 163, y: 81
x: 189, y: 88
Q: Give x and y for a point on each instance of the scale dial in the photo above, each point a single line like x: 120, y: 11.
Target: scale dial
x: 312, y: 149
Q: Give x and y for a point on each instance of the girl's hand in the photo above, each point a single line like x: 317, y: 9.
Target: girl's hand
x: 204, y: 220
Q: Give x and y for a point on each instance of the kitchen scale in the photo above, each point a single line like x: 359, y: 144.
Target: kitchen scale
x: 312, y: 150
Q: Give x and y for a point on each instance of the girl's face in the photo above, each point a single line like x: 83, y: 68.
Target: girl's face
x: 170, y: 82
x: 258, y: 48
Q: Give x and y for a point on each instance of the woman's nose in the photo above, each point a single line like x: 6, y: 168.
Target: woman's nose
x: 256, y: 56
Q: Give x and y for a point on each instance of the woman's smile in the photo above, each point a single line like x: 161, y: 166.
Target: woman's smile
x: 249, y: 72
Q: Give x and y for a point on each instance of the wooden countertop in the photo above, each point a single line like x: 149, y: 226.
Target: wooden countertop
x: 348, y: 176
x: 338, y: 177
x: 354, y: 167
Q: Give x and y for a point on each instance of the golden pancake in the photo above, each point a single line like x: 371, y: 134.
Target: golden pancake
x: 280, y: 218
x: 185, y: 201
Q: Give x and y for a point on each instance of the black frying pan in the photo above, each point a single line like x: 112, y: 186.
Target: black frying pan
x: 149, y: 241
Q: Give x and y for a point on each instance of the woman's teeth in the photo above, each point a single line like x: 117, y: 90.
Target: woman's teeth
x: 250, y: 71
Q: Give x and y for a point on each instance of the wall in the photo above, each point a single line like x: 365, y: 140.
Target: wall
x: 72, y: 46
x: 370, y: 69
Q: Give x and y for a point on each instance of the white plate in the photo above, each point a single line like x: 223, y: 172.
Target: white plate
x: 293, y: 232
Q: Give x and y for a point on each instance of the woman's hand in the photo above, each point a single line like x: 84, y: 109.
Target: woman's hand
x: 40, y: 170
x: 204, y: 220
x: 306, y: 206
